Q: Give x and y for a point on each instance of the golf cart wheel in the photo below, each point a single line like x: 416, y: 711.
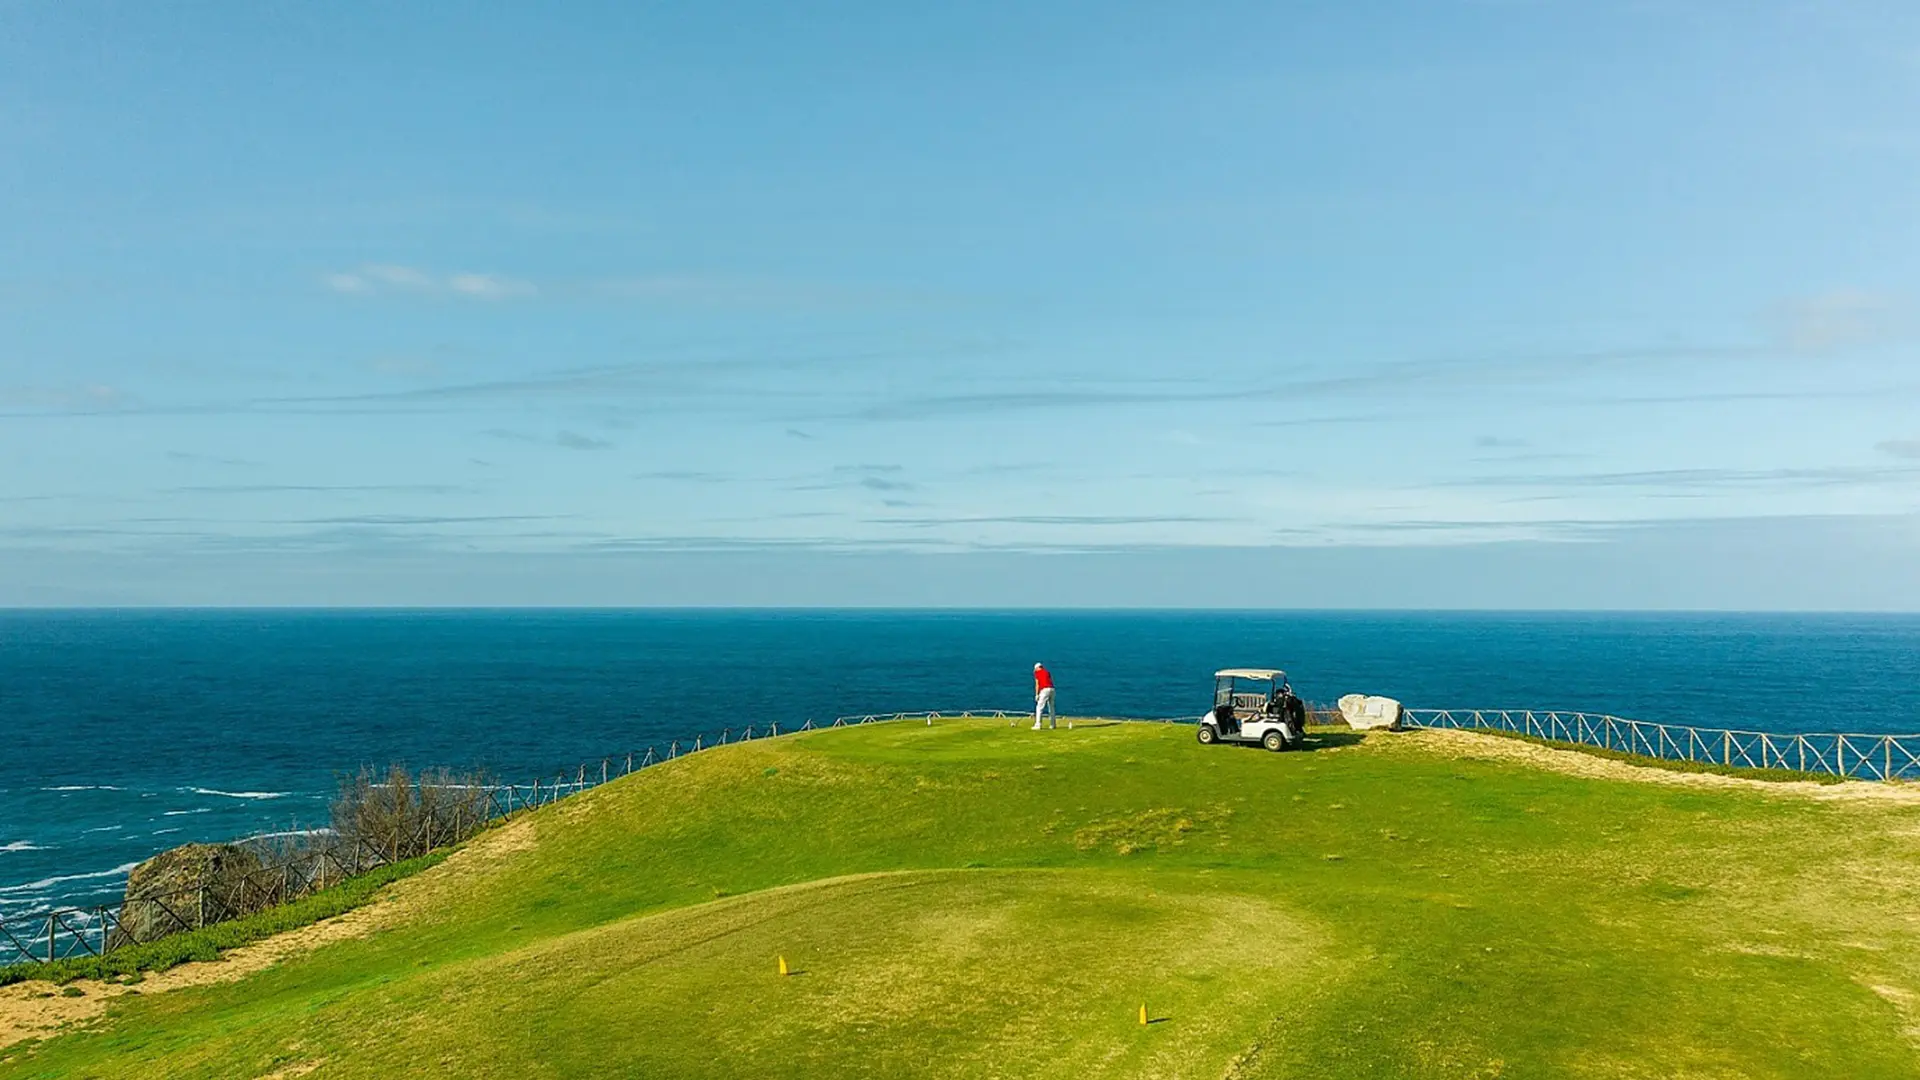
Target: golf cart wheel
x: 1273, y: 741
x: 1207, y: 735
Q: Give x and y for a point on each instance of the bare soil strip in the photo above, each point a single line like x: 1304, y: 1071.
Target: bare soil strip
x: 1481, y: 745
x: 30, y: 1010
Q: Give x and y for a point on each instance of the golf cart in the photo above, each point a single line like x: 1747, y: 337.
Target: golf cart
x: 1254, y: 705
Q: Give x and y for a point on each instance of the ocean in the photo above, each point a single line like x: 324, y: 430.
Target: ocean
x: 124, y: 733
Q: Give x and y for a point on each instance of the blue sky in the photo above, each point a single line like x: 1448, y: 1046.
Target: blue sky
x: 1509, y: 304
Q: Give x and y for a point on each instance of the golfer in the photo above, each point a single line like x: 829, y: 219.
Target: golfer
x: 1043, y: 697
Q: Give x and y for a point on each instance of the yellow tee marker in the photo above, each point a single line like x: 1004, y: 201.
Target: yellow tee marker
x: 783, y: 965
x: 1143, y: 1016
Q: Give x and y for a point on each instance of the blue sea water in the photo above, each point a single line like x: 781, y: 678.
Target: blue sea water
x: 125, y: 733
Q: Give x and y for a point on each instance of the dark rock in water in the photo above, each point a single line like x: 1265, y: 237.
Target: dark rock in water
x: 186, y: 888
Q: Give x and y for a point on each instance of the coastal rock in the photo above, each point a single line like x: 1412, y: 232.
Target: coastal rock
x: 184, y: 888
x: 1364, y: 712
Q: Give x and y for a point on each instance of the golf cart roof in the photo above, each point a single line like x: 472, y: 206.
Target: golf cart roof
x: 1250, y: 673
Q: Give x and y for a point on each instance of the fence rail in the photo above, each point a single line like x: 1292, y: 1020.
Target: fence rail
x: 456, y: 813
x: 1853, y: 757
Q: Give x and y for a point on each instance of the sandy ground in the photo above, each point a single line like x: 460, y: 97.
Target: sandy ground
x: 1473, y: 744
x: 32, y: 1009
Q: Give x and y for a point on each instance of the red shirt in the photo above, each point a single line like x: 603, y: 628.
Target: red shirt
x: 1042, y: 680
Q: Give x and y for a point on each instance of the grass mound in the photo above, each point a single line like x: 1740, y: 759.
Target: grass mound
x: 970, y: 900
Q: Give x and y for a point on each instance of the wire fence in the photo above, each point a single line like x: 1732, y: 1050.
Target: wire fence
x: 1852, y: 757
x: 453, y: 814
x: 456, y: 813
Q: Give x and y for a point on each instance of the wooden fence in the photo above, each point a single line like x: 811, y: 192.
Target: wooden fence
x: 1853, y: 757
x: 455, y: 814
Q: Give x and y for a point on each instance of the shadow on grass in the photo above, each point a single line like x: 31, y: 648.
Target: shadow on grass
x: 1326, y: 740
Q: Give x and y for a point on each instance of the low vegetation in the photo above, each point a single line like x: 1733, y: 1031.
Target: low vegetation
x: 973, y: 900
x: 208, y: 942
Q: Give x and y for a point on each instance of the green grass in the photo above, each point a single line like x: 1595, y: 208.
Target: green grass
x: 973, y: 900
x: 207, y: 943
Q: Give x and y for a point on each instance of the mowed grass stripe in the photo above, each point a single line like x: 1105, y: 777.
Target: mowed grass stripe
x: 1389, y: 908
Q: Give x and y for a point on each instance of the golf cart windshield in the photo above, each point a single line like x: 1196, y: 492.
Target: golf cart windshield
x: 1245, y: 694
x: 1247, y: 691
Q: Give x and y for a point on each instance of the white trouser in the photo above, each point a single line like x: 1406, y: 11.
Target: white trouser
x: 1043, y: 703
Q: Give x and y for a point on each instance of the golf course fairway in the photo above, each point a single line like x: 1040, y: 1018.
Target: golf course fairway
x: 970, y: 899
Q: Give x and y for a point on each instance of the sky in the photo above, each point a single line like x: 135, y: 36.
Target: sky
x: 1361, y: 304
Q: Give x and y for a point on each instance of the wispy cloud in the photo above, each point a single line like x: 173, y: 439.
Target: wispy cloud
x: 387, y: 278
x: 1900, y: 448
x: 267, y: 489
x: 427, y: 519
x: 1411, y: 380
x: 1842, y: 319
x: 1053, y: 519
x: 1704, y: 479
x: 211, y: 459
x: 690, y: 476
x: 573, y: 440
x: 89, y: 397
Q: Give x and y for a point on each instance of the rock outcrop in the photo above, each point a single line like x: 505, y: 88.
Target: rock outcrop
x: 183, y: 889
x: 1363, y: 712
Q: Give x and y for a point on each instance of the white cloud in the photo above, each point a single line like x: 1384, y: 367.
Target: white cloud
x: 390, y: 278
x: 488, y: 286
x: 1842, y: 319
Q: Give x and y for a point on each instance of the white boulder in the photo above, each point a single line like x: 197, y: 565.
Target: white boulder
x: 1364, y: 712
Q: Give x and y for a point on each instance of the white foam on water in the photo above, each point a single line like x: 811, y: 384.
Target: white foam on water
x: 178, y: 813
x: 47, y: 883
x: 163, y: 832
x: 241, y: 794
x: 84, y: 787
x: 21, y: 845
x: 103, y: 828
x: 293, y: 832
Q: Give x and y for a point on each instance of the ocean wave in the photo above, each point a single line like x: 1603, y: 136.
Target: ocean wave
x: 48, y: 883
x: 241, y: 794
x: 104, y: 828
x: 179, y: 813
x: 290, y: 832
x: 163, y: 832
x: 21, y: 845
x: 84, y: 787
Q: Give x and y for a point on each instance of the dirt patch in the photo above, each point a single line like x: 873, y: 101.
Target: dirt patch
x: 31, y: 1010
x: 1466, y: 745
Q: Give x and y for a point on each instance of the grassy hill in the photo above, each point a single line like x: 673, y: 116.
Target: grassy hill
x: 978, y: 901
